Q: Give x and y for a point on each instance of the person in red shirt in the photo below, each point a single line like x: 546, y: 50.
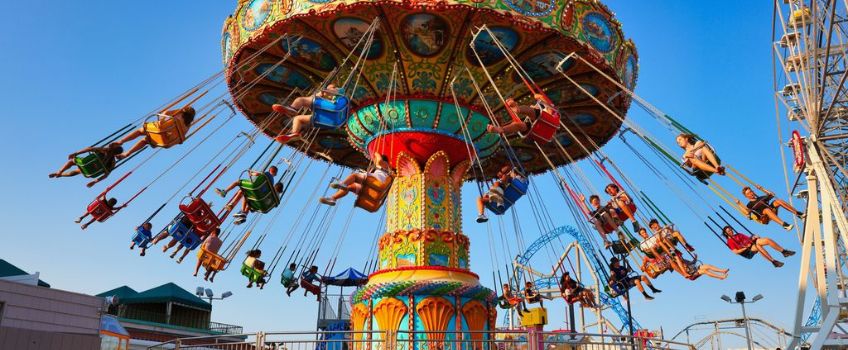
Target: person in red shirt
x: 748, y: 246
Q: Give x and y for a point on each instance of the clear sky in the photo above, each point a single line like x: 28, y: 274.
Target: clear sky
x: 72, y: 72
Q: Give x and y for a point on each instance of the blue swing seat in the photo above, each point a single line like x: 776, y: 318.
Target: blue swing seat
x: 142, y: 237
x: 190, y: 240
x: 330, y: 113
x: 513, y: 191
x: 178, y: 230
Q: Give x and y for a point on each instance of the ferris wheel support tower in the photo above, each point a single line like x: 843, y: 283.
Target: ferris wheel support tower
x: 811, y: 66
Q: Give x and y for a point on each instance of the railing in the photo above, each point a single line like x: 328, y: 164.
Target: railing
x: 224, y: 328
x: 419, y: 340
x: 193, y: 323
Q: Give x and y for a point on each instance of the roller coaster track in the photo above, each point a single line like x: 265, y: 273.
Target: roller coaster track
x: 597, y: 268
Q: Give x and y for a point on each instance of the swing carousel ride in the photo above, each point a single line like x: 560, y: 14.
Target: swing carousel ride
x: 425, y: 96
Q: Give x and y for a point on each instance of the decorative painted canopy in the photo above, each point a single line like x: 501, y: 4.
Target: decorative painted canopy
x: 430, y: 42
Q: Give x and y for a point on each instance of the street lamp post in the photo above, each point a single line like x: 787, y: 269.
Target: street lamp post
x: 207, y: 293
x: 740, y: 299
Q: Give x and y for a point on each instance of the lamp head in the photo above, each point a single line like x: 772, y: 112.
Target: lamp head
x: 756, y: 297
x: 199, y: 291
x: 726, y: 298
x: 226, y: 294
x: 209, y: 293
x: 740, y: 297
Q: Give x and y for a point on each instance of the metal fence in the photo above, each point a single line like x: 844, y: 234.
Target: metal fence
x: 406, y: 340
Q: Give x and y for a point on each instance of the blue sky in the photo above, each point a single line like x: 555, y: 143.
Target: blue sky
x: 72, y: 73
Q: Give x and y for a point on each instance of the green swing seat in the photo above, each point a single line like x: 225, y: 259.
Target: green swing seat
x: 92, y: 165
x: 260, y: 193
x: 252, y: 273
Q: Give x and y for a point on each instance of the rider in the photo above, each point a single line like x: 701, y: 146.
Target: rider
x: 748, y: 246
x: 508, y: 300
x: 496, y: 192
x: 253, y: 261
x: 603, y: 217
x: 531, y: 295
x: 671, y: 234
x: 241, y: 216
x: 108, y: 155
x: 573, y: 291
x: 764, y: 208
x: 698, y: 155
x: 211, y: 244
x: 621, y: 202
x: 306, y: 280
x: 298, y: 121
x: 522, y: 115
x: 620, y: 280
x: 147, y: 227
x: 184, y: 115
x: 353, y: 182
x: 110, y: 204
x: 288, y: 279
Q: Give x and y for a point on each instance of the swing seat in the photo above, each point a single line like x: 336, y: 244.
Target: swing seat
x: 211, y: 261
x: 513, y: 191
x: 373, y: 193
x: 100, y: 210
x: 621, y: 215
x: 165, y: 131
x: 314, y: 289
x: 509, y: 302
x: 252, y: 273
x: 202, y: 217
x: 748, y: 254
x: 177, y: 229
x: 142, y: 237
x: 622, y: 247
x: 190, y: 240
x: 259, y: 193
x: 92, y: 165
x: 544, y: 128
x: 330, y: 113
x: 657, y: 267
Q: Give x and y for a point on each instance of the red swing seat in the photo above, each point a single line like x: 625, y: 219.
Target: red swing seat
x: 100, y: 210
x: 203, y: 219
x: 544, y: 128
x: 312, y: 288
x: 621, y: 215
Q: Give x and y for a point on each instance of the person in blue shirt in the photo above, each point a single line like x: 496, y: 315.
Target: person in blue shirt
x: 288, y: 279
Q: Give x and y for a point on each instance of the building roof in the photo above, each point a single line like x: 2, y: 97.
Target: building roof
x: 120, y: 292
x: 168, y: 292
x: 7, y: 269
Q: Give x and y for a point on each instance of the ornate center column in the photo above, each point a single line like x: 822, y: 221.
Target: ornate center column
x: 423, y: 282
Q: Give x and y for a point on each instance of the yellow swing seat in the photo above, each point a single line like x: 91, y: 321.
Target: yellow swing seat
x: 165, y: 132
x: 373, y: 193
x: 211, y: 261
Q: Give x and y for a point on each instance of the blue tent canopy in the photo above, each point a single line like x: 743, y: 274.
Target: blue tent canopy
x: 347, y: 278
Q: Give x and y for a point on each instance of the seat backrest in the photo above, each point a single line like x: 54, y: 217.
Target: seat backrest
x: 260, y: 193
x: 99, y: 209
x: 515, y: 189
x: 201, y: 215
x: 165, y: 132
x: 330, y: 113
x: 91, y: 165
x: 373, y: 193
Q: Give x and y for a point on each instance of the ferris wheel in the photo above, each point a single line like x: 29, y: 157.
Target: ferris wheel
x: 811, y: 67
